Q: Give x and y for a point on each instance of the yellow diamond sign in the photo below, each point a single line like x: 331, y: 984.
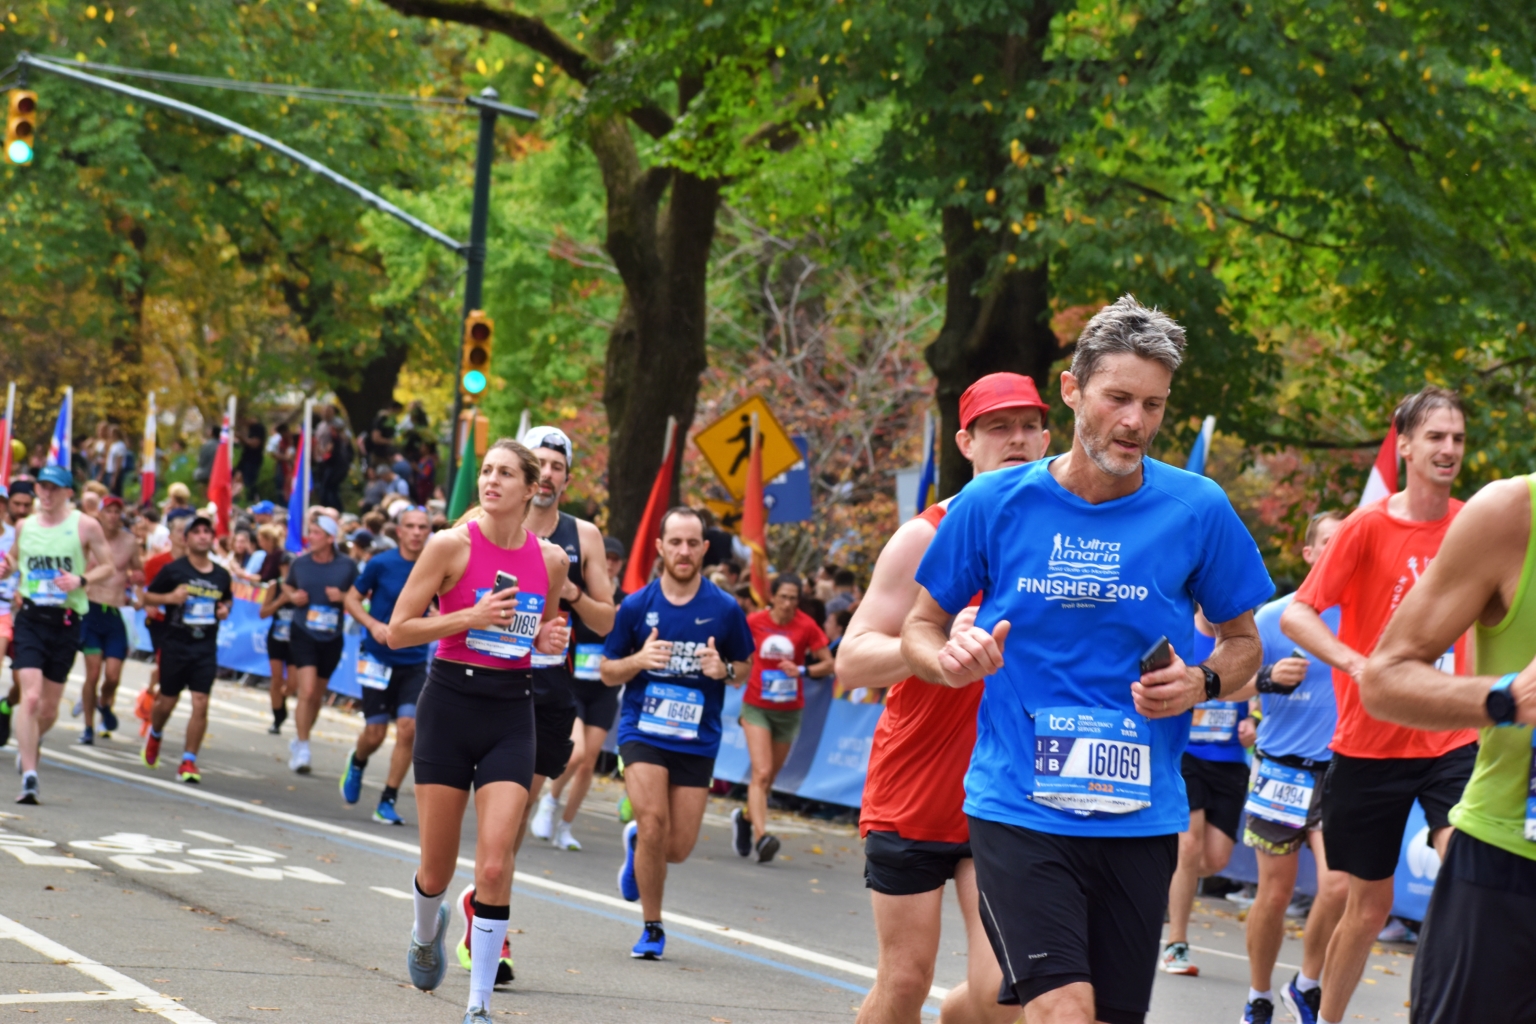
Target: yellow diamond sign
x: 726, y: 443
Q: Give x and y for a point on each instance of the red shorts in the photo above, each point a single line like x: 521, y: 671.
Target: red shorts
x: 5, y: 626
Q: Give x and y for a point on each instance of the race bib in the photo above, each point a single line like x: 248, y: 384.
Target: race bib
x: 199, y: 611
x: 1280, y: 794
x: 40, y: 587
x: 1447, y: 662
x: 282, y: 625
x: 8, y: 588
x: 672, y: 711
x: 1092, y: 760
x: 1530, y: 795
x: 372, y: 673
x: 1213, y: 721
x: 780, y: 687
x: 549, y: 660
x: 589, y: 662
x: 323, y: 621
x: 516, y: 639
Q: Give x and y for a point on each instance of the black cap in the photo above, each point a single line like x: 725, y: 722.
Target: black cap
x: 23, y: 487
x: 200, y: 521
x: 615, y: 547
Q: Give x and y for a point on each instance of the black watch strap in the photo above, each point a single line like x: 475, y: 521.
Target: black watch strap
x: 1212, y: 683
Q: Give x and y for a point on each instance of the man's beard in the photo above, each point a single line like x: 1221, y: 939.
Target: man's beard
x: 682, y: 574
x: 540, y: 501
x: 1100, y: 453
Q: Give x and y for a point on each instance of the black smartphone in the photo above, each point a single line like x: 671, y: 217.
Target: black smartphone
x: 1297, y: 652
x: 504, y: 581
x: 1159, y: 655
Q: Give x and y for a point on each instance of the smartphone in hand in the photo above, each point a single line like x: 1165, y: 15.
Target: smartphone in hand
x: 504, y: 581
x: 1159, y: 655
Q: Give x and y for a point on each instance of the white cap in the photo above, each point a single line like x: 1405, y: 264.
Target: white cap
x: 552, y: 438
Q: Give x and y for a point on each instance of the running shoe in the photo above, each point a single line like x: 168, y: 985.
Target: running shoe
x: 298, y: 756
x: 1259, y: 1011
x: 77, y: 710
x: 626, y: 810
x: 29, y: 790
x: 188, y: 772
x: 352, y: 780
x: 477, y: 1015
x: 385, y: 813
x: 504, y: 971
x: 563, y: 838
x: 1396, y: 931
x: 279, y: 716
x: 767, y: 848
x: 150, y: 755
x: 108, y: 719
x: 543, y: 824
x: 425, y: 960
x: 741, y: 833
x: 1304, y: 1006
x: 5, y: 721
x: 1175, y: 960
x: 653, y: 942
x: 627, y: 884
x: 87, y: 737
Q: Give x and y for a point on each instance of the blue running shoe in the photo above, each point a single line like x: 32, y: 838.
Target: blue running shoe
x: 352, y: 781
x: 425, y: 960
x: 108, y: 718
x: 1260, y: 1011
x: 385, y: 814
x: 627, y: 884
x: 1304, y: 1006
x: 653, y: 942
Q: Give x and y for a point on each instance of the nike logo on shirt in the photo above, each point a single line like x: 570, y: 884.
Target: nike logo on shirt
x: 700, y: 622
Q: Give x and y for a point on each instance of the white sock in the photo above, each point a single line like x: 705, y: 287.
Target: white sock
x: 1306, y: 984
x: 426, y: 912
x: 1254, y: 993
x: 485, y: 941
x: 548, y: 801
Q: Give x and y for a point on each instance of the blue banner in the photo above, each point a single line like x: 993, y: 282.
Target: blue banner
x: 788, y: 495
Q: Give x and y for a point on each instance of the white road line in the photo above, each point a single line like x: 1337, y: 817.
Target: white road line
x: 387, y: 891
x: 121, y: 986
x: 208, y: 836
x: 63, y: 997
x: 709, y: 927
x: 1238, y: 956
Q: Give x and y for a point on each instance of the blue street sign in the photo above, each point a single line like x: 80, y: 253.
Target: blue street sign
x: 788, y: 495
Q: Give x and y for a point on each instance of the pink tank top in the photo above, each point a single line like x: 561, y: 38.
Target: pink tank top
x: 507, y: 648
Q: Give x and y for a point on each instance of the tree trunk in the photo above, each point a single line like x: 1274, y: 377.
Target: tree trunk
x: 364, y: 389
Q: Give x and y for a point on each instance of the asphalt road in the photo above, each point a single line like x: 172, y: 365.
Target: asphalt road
x: 261, y: 896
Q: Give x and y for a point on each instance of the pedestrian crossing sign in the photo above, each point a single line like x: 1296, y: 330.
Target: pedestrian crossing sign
x: 726, y: 444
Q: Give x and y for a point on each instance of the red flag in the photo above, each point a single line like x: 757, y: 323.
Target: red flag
x: 5, y: 451
x: 1382, y: 482
x: 642, y: 554
x: 754, y: 519
x: 220, y: 486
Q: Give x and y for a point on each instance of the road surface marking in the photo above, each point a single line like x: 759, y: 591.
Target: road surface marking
x: 1238, y: 956
x: 387, y: 891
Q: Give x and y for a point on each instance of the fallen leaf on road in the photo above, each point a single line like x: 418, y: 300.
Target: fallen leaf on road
x: 27, y: 991
x: 310, y: 960
x: 214, y: 927
x: 721, y: 1020
x: 24, y: 1010
x: 568, y: 970
x: 815, y: 849
x: 266, y: 1007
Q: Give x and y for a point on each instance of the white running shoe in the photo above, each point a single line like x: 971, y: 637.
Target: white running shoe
x: 563, y: 838
x: 543, y: 824
x: 298, y: 756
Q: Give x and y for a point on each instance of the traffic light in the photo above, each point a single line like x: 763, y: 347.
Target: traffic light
x: 20, y: 125
x: 475, y: 362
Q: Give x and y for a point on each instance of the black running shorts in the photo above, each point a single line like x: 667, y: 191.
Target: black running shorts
x: 305, y: 651
x: 691, y: 770
x: 1219, y: 788
x: 596, y: 704
x: 187, y: 667
x: 1366, y: 802
x: 894, y: 866
x: 399, y: 698
x: 472, y: 737
x: 47, y: 639
x: 1064, y: 909
x: 1479, y: 939
x: 552, y: 725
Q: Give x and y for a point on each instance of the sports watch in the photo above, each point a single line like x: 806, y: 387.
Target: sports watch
x: 1500, y: 703
x: 1212, y: 683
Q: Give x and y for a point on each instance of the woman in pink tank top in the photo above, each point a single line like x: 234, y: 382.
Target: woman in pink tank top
x: 498, y: 593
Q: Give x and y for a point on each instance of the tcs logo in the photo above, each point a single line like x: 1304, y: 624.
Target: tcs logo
x: 1066, y: 723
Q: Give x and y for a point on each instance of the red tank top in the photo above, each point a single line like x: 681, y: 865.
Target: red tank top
x: 915, y: 786
x: 507, y: 648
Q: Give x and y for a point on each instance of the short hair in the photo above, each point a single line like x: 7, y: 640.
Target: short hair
x: 786, y: 579
x: 1317, y: 520
x: 1125, y: 325
x: 843, y: 578
x: 1412, y: 411
x: 678, y: 510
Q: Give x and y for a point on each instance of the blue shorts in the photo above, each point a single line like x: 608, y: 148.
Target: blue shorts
x: 102, y: 632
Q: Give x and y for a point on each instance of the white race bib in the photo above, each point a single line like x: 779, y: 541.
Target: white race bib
x: 371, y: 672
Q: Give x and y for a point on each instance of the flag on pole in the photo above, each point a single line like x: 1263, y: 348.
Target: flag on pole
x: 465, y: 492
x: 147, y: 457
x: 220, y: 482
x: 298, y: 498
x: 58, y: 444
x: 754, y: 517
x: 1201, y: 448
x: 928, y: 478
x: 642, y: 553
x: 7, y: 434
x: 1382, y: 483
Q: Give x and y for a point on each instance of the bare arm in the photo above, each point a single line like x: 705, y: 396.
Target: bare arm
x: 820, y: 663
x: 273, y: 599
x: 1302, y: 623
x: 98, y: 554
x: 1472, y: 579
x: 870, y: 654
x: 594, y: 603
x: 1174, y: 690
x: 353, y: 603
x: 443, y: 561
x: 963, y: 655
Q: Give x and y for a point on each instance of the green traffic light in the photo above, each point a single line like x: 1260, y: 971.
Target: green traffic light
x: 474, y: 382
x: 19, y: 152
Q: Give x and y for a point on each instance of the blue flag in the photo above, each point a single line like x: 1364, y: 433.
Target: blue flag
x: 295, y: 539
x: 58, y: 444
x: 929, y: 476
x: 1202, y: 447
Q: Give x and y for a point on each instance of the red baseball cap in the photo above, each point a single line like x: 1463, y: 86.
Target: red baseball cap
x: 999, y: 391
x: 111, y: 500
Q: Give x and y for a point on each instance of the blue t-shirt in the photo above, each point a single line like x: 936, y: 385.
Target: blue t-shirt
x: 1213, y: 723
x: 679, y: 708
x: 382, y: 579
x: 1088, y: 588
x: 1299, y: 724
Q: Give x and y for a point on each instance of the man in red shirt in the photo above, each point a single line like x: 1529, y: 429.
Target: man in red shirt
x: 1379, y: 769
x: 789, y: 646
x: 914, y: 828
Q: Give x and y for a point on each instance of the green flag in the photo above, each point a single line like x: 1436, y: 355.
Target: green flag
x: 464, y: 477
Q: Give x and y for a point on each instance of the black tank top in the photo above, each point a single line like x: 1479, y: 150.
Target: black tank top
x: 552, y: 682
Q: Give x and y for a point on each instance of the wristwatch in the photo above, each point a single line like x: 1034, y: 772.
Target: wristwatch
x: 1212, y: 683
x: 730, y: 670
x: 1500, y: 703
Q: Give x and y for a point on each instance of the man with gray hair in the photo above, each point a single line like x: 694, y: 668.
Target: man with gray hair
x: 1074, y: 795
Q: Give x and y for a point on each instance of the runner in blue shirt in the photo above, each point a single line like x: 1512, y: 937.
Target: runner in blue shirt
x: 391, y: 679
x: 675, y: 646
x: 1285, y: 805
x: 1091, y: 558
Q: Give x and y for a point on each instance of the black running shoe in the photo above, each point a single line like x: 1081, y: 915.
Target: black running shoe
x: 767, y: 848
x: 741, y: 833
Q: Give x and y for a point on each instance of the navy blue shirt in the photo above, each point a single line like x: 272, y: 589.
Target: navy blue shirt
x: 382, y: 579
x: 677, y: 708
x: 1213, y: 723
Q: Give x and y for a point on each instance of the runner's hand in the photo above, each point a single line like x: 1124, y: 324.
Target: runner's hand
x: 789, y: 668
x: 177, y: 596
x: 1289, y: 671
x: 380, y: 632
x: 972, y: 653
x: 1169, y: 691
x: 1247, y: 732
x: 1523, y: 689
x: 221, y: 610
x: 553, y: 636
x: 656, y: 654
x: 495, y: 609
x: 68, y: 581
x: 334, y: 595
x: 710, y: 662
x: 298, y: 598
